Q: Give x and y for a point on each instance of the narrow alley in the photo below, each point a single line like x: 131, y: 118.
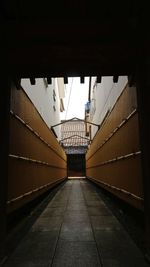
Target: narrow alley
x: 74, y: 102
x: 76, y: 229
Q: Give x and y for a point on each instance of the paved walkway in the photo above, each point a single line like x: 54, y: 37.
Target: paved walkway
x: 76, y: 229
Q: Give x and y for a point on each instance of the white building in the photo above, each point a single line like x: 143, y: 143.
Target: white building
x: 47, y: 98
x: 103, y: 97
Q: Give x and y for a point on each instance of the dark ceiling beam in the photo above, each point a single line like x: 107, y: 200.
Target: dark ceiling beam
x: 131, y: 80
x: 115, y: 78
x: 86, y: 48
x: 99, y: 79
x: 76, y: 32
x: 32, y: 81
x: 65, y: 80
x: 69, y: 9
x: 49, y: 80
x: 17, y: 83
x: 82, y: 79
x: 92, y: 59
x: 71, y: 71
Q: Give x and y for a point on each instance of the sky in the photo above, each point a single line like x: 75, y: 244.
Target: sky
x: 75, y: 99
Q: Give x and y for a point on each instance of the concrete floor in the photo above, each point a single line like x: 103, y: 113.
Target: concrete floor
x: 76, y: 229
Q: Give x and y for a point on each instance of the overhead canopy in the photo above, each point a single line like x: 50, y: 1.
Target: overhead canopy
x: 72, y: 38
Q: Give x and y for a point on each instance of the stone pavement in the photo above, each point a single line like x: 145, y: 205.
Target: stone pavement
x: 76, y: 229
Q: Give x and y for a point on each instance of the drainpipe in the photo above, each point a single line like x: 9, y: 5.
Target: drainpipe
x: 87, y: 115
x: 89, y: 96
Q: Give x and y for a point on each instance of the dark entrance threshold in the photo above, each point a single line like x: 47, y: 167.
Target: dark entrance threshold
x: 76, y: 165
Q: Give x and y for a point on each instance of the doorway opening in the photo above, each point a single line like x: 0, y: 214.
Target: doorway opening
x: 76, y: 165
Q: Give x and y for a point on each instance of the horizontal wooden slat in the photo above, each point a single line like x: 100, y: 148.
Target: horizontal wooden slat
x: 124, y: 141
x: 22, y: 106
x: 123, y: 157
x: 114, y: 158
x: 37, y: 162
x: 125, y: 105
x: 29, y: 160
x: 132, y: 199
x: 125, y: 174
x: 30, y: 144
x: 25, y: 177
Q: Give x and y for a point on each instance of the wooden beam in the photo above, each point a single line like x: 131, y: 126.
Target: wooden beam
x: 143, y: 96
x: 131, y: 80
x: 81, y: 79
x: 65, y: 80
x: 99, y: 79
x: 32, y: 81
x: 17, y: 83
x: 115, y: 78
x: 5, y: 85
x: 49, y: 80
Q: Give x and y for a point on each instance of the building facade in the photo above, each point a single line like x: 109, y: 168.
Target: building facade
x: 47, y: 99
x: 103, y: 97
x: 75, y: 143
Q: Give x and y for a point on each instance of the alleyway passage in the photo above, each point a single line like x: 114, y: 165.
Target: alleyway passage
x: 76, y: 229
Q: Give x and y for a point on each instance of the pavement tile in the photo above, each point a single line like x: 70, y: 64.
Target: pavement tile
x: 76, y: 225
x: 48, y: 212
x: 63, y: 234
x: 136, y: 262
x: 113, y: 247
x: 34, y: 250
x: 77, y: 235
x: 95, y: 203
x: 105, y: 223
x: 27, y: 264
x: 76, y: 212
x: 76, y: 230
x: 76, y: 217
x: 47, y: 224
x: 76, y: 254
x: 76, y: 201
x: 99, y: 210
x: 56, y: 204
x: 77, y: 207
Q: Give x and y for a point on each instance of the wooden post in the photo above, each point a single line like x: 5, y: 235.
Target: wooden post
x: 5, y: 88
x: 143, y: 99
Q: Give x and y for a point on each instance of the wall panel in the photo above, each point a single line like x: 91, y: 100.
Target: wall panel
x: 36, y: 160
x: 125, y: 105
x: 114, y: 158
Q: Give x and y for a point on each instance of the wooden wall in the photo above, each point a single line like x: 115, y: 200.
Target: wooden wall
x: 113, y: 160
x: 36, y: 160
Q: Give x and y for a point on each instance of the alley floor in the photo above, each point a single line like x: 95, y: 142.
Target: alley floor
x: 76, y: 229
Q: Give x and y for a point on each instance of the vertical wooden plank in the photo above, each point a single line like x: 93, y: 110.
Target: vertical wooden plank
x: 143, y: 98
x: 4, y: 145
